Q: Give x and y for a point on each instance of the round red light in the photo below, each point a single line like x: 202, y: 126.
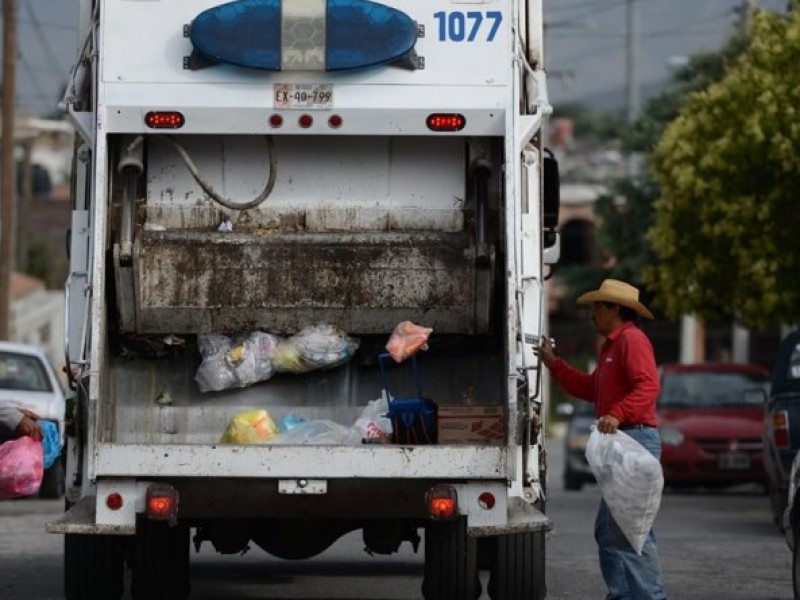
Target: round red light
x: 114, y: 501
x: 335, y: 121
x: 486, y: 500
x: 305, y: 121
x: 275, y: 121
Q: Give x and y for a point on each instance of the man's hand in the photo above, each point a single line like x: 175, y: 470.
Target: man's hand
x: 607, y: 424
x: 28, y: 426
x: 545, y: 351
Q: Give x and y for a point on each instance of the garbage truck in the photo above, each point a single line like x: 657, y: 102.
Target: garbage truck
x: 263, y: 191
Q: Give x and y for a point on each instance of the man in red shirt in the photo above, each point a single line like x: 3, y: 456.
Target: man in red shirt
x: 623, y: 388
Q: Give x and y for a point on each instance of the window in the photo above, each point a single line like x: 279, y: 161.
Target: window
x: 23, y: 372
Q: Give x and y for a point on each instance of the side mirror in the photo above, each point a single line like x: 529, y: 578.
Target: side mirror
x: 552, y: 195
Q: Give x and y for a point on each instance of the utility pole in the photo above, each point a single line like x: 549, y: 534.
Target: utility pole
x: 7, y: 170
x: 747, y: 8
x: 631, y: 71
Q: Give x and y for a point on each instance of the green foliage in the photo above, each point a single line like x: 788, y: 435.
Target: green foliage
x: 728, y: 169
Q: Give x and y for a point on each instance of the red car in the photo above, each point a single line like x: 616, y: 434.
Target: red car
x: 711, y: 417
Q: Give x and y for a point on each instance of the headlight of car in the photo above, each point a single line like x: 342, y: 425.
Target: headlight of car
x: 671, y: 436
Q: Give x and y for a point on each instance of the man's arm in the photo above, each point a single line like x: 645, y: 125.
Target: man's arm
x: 20, y: 420
x: 10, y: 416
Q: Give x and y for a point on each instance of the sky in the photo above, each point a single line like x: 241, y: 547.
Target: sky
x: 585, y: 44
x: 586, y: 41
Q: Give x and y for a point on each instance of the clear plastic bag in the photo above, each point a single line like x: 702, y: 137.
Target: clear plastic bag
x: 373, y: 424
x: 21, y: 468
x: 630, y: 479
x: 317, y: 346
x: 229, y: 363
x: 318, y: 432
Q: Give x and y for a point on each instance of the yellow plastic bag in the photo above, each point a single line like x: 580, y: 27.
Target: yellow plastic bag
x: 249, y: 427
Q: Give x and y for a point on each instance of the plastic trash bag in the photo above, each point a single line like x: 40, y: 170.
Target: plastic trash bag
x: 407, y: 339
x: 51, y: 443
x: 317, y: 346
x: 373, y: 424
x: 229, y: 363
x: 21, y: 468
x: 630, y: 479
x: 318, y: 432
x: 249, y: 427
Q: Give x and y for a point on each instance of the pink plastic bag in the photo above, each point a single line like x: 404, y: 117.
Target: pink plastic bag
x: 20, y: 468
x: 407, y: 339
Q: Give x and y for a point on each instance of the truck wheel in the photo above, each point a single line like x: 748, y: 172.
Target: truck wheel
x: 518, y: 572
x: 52, y: 481
x: 572, y: 481
x: 796, y: 565
x: 160, y: 567
x: 93, y: 567
x: 451, y: 570
x: 778, y: 501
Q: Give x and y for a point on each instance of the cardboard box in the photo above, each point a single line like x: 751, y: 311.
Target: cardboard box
x: 471, y: 424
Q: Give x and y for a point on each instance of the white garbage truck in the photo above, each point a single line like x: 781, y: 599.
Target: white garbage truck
x: 265, y: 179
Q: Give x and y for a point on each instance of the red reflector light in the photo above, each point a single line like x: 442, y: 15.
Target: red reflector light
x: 168, y: 119
x: 445, y: 122
x: 442, y: 502
x: 275, y: 121
x: 335, y: 121
x: 305, y: 121
x: 162, y: 502
x: 114, y: 501
x: 486, y: 500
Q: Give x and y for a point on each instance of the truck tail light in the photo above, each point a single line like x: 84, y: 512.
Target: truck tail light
x: 780, y: 430
x: 164, y: 119
x: 442, y: 502
x: 162, y: 502
x: 445, y: 122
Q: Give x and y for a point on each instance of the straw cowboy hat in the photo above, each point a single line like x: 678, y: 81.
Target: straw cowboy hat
x: 617, y: 292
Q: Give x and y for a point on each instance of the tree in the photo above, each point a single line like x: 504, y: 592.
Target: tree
x: 728, y: 169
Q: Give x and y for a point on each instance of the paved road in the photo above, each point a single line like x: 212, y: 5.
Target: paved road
x: 715, y: 546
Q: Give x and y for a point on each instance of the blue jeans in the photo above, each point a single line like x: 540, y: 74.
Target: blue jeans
x: 628, y: 575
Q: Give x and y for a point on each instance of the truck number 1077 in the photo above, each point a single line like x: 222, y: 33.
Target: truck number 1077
x: 457, y: 26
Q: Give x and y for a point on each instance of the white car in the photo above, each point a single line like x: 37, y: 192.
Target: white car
x: 28, y: 380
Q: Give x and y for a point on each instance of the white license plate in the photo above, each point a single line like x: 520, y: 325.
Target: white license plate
x: 308, y: 96
x: 733, y: 461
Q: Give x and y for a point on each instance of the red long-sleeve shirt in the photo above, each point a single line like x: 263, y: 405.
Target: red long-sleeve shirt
x: 625, y: 382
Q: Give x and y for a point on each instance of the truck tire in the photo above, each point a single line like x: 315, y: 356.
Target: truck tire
x: 518, y: 572
x: 160, y: 566
x: 451, y: 569
x: 93, y: 567
x: 52, y: 481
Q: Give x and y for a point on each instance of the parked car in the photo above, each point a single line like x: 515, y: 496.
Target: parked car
x: 781, y: 429
x: 791, y: 523
x: 710, y: 419
x: 28, y: 380
x: 576, y: 469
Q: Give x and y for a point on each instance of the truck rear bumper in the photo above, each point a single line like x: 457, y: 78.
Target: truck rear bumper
x: 310, y: 462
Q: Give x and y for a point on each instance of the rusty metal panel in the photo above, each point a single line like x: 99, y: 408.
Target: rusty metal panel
x: 365, y: 283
